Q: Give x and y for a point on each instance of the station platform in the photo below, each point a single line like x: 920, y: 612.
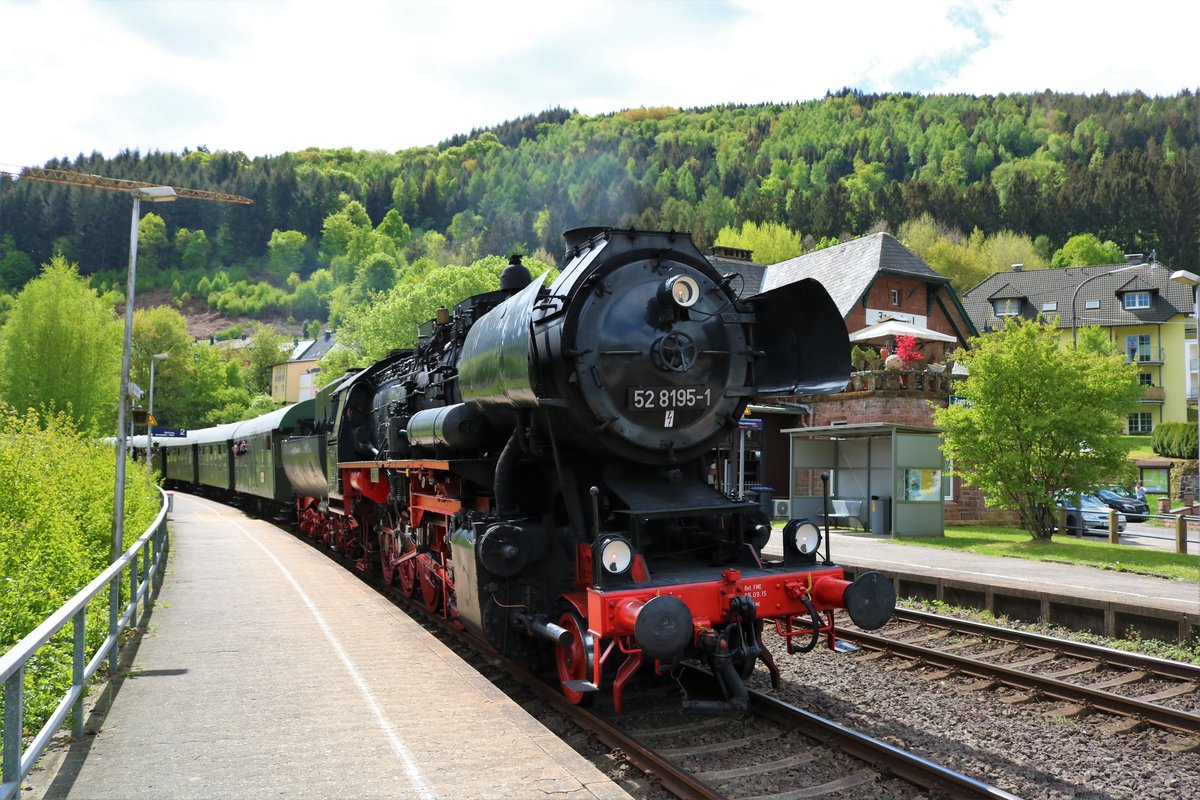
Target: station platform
x: 270, y: 671
x: 1105, y: 602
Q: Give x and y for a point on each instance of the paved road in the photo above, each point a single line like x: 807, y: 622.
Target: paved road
x: 1155, y: 536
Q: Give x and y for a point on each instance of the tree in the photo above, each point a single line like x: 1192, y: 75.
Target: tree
x: 264, y: 351
x: 769, y: 243
x: 152, y: 241
x: 1041, y: 419
x: 163, y: 329
x: 285, y: 253
x: 1086, y: 250
x: 193, y: 249
x: 61, y: 349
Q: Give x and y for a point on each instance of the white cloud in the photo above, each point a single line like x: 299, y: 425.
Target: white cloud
x: 267, y: 77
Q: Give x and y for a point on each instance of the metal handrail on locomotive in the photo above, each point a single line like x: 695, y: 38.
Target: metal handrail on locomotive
x: 533, y: 468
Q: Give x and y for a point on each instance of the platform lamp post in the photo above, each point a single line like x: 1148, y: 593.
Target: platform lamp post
x: 1193, y: 280
x: 153, y: 194
x: 150, y: 412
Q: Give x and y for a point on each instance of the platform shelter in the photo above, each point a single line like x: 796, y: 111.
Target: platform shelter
x: 886, y: 478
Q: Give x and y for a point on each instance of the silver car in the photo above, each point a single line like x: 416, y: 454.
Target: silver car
x: 1095, y: 514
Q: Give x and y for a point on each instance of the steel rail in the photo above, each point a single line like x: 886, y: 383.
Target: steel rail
x: 17, y: 762
x: 1097, y: 699
x: 913, y: 768
x: 1107, y: 655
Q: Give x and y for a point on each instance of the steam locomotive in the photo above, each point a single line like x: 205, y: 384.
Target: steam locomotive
x: 534, y: 468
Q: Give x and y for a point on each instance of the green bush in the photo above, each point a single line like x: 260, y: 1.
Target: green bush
x: 56, y: 493
x: 1176, y: 440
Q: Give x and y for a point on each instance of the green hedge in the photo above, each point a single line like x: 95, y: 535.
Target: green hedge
x: 56, y: 494
x: 1176, y: 440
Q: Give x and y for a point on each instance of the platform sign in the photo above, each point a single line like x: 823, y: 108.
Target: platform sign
x: 169, y: 433
x: 750, y: 424
x: 959, y: 400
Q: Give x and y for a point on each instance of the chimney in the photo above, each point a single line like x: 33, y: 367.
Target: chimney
x: 731, y: 253
x: 1134, y: 258
x: 1017, y: 267
x: 327, y: 334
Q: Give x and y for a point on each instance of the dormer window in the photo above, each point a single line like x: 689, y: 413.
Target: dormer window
x: 1006, y: 307
x: 1134, y: 300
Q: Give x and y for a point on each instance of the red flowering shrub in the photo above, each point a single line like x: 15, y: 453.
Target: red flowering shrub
x: 908, y: 350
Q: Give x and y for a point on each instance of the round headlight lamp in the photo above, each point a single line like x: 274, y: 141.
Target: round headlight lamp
x: 616, y: 554
x: 806, y: 537
x: 802, y: 537
x: 682, y: 290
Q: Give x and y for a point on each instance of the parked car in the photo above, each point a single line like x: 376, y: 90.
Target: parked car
x: 1124, y: 501
x: 1095, y: 514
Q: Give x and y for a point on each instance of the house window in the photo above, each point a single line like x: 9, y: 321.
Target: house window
x: 1051, y: 306
x: 1144, y: 379
x: 1140, y: 422
x: 1134, y: 300
x: 1137, y: 347
x: 1008, y: 307
x: 1092, y: 304
x: 895, y: 294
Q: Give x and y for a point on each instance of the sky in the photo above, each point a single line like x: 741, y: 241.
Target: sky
x: 266, y: 77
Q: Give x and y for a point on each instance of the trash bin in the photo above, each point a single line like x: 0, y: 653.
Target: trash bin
x: 881, y: 514
x: 765, y: 497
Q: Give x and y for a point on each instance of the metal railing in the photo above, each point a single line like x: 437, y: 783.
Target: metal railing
x: 145, y: 578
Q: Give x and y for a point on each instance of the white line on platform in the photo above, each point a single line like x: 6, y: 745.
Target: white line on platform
x: 401, y: 750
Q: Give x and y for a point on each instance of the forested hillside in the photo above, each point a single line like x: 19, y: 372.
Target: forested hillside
x: 1025, y: 171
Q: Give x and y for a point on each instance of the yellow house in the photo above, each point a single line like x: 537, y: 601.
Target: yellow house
x: 1147, y: 315
x: 295, y: 379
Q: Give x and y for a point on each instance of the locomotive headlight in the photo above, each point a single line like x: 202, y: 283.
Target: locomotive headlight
x: 801, y: 539
x: 616, y: 554
x: 683, y: 290
x: 807, y: 538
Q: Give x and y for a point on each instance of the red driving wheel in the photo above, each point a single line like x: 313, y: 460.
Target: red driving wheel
x: 388, y: 554
x: 575, y: 659
x: 431, y: 583
x: 406, y: 571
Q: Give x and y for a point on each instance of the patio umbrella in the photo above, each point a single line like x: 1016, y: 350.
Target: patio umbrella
x: 894, y: 327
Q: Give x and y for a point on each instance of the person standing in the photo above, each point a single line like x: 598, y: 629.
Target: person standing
x: 1140, y: 491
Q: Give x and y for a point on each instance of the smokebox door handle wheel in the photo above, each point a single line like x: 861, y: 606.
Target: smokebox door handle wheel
x: 575, y: 661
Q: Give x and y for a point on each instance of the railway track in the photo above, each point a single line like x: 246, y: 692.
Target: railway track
x: 1143, y: 689
x: 776, y: 744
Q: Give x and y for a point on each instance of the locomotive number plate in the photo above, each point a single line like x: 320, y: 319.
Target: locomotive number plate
x: 669, y: 397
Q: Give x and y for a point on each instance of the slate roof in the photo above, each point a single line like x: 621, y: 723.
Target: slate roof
x: 847, y: 270
x: 318, y: 348
x: 751, y: 274
x: 1040, y: 287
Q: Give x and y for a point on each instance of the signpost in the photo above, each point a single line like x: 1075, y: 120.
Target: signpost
x: 959, y: 400
x: 169, y: 433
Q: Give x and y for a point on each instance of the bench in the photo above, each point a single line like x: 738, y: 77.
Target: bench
x: 845, y: 511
